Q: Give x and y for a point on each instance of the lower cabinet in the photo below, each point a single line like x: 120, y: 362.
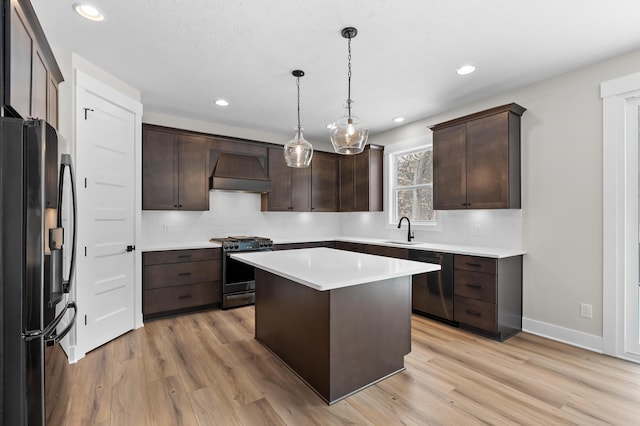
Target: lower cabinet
x: 175, y: 281
x: 488, y: 294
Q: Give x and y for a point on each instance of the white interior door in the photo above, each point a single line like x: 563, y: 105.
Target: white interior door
x: 105, y: 147
x: 632, y: 296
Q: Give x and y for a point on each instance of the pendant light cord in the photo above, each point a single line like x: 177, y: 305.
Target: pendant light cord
x: 349, y: 78
x: 298, y: 86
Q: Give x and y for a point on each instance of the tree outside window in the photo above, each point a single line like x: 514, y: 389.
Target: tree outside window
x: 413, y: 185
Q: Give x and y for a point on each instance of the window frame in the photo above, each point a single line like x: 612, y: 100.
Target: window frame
x: 392, y: 206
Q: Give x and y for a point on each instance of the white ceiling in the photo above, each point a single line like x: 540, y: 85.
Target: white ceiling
x: 182, y: 55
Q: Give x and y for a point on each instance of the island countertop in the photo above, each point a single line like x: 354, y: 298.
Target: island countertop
x: 327, y: 269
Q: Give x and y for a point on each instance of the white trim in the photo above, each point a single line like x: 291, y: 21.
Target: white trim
x: 562, y: 334
x: 615, y: 232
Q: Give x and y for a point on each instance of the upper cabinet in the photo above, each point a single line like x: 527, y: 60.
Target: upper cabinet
x: 324, y: 182
x: 31, y: 74
x: 360, y: 180
x: 290, y: 186
x: 174, y: 170
x: 476, y: 160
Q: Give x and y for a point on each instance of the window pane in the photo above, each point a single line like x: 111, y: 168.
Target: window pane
x: 414, y: 168
x: 416, y: 204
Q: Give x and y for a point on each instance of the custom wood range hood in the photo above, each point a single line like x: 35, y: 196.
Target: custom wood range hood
x: 239, y: 172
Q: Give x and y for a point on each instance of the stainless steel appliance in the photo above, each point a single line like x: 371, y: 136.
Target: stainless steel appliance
x: 238, y: 279
x: 432, y: 293
x: 35, y: 182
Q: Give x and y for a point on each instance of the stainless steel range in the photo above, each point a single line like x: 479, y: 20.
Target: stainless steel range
x: 238, y: 279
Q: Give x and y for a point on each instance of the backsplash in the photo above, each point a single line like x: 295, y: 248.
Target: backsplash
x: 238, y: 213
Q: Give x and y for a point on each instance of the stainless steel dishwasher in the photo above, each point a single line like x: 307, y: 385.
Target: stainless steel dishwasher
x: 432, y: 293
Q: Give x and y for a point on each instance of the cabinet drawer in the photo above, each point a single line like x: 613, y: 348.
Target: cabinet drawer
x: 185, y: 296
x: 176, y: 256
x: 475, y: 285
x: 475, y: 263
x: 475, y: 313
x: 172, y: 274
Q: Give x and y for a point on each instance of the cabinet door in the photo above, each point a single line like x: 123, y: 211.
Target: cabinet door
x: 193, y: 183
x: 18, y: 90
x: 347, y: 183
x: 159, y: 162
x: 39, y: 88
x: 324, y: 182
x: 449, y: 168
x: 300, y: 189
x: 362, y: 180
x: 488, y: 162
x: 279, y: 199
x: 52, y: 111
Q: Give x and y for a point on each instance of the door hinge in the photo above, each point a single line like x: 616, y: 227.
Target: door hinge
x: 85, y: 182
x: 85, y: 320
x: 85, y: 251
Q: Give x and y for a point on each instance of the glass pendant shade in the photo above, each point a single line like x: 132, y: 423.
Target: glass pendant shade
x: 298, y: 151
x: 349, y: 134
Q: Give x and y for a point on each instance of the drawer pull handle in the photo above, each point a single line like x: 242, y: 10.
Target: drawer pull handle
x: 183, y: 256
x: 184, y: 274
x: 186, y: 296
x: 472, y: 312
x: 475, y: 265
x: 474, y: 285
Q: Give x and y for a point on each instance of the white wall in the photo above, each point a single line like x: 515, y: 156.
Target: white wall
x: 561, y: 195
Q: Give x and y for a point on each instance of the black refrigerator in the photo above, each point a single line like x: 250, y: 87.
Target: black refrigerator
x: 37, y: 259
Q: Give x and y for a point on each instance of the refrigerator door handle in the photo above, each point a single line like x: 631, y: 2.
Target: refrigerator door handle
x: 65, y: 161
x: 55, y: 338
x: 46, y: 333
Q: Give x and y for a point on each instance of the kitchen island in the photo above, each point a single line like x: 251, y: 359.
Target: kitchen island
x: 340, y: 320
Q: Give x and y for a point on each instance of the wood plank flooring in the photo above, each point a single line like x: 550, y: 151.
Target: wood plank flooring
x: 207, y: 369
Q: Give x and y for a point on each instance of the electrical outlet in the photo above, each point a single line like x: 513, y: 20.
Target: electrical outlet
x: 586, y: 310
x: 476, y: 230
x: 165, y: 228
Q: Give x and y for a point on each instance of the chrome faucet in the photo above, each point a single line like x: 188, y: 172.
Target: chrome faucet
x: 409, y: 233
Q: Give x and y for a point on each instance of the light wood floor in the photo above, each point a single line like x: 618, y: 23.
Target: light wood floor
x: 207, y: 369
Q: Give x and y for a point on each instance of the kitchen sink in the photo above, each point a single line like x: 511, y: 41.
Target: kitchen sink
x: 407, y: 243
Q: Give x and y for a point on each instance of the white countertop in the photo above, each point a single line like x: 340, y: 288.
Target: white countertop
x: 492, y: 252
x: 326, y: 269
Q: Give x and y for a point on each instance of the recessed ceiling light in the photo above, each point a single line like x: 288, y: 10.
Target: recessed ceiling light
x: 89, y: 12
x: 221, y: 102
x: 398, y: 119
x: 466, y: 69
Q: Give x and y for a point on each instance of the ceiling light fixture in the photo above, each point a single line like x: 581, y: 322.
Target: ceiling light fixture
x: 298, y: 152
x: 349, y: 134
x: 221, y: 102
x: 88, y: 12
x: 466, y: 69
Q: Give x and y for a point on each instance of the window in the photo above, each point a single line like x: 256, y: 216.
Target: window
x: 411, y: 186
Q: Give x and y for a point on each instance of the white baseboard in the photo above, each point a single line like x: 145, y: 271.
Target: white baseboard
x: 564, y: 335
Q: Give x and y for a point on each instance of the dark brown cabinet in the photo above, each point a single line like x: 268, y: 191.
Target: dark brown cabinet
x: 180, y: 280
x: 476, y: 160
x: 31, y: 74
x: 324, y: 182
x: 488, y: 294
x: 174, y: 170
x: 360, y: 180
x: 290, y: 186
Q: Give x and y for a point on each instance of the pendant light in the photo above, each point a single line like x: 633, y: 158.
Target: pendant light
x: 349, y: 134
x: 298, y: 152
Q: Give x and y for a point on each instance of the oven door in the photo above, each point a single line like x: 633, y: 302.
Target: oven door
x: 237, y: 276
